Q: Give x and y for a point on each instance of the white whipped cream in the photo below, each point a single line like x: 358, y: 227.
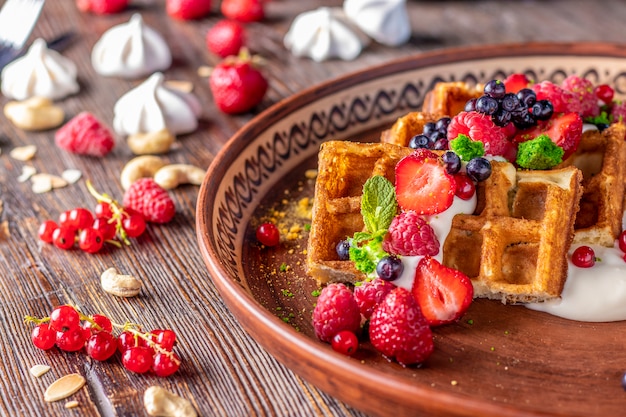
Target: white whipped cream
x: 441, y: 224
x: 130, y: 50
x: 325, y: 33
x: 386, y: 21
x: 42, y: 72
x: 151, y: 106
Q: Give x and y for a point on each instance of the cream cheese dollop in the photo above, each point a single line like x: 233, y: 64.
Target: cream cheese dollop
x: 387, y: 22
x: 42, y: 72
x: 130, y: 50
x: 325, y: 33
x: 152, y: 106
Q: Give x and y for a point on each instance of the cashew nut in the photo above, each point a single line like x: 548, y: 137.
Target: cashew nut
x: 160, y: 402
x: 173, y: 175
x: 151, y: 143
x: 35, y: 113
x: 140, y: 167
x: 121, y: 285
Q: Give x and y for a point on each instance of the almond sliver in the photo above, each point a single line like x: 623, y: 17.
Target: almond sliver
x: 64, y: 387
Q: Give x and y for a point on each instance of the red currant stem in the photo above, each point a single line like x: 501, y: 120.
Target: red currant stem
x: 35, y: 320
x: 90, y: 320
x: 114, y: 243
x: 116, y: 209
x: 146, y: 337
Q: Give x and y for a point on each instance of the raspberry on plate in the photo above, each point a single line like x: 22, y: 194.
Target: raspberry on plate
x: 562, y: 100
x: 370, y: 293
x: 335, y: 310
x: 480, y: 127
x: 225, y: 38
x: 187, y: 9
x: 243, y: 10
x: 584, y: 90
x: 147, y: 197
x: 102, y: 6
x: 399, y: 330
x: 84, y: 134
x: 410, y: 235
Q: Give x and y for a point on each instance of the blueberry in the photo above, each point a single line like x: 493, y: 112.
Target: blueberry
x: 343, y: 250
x: 419, y: 141
x: 478, y: 169
x: 429, y: 128
x: 440, y: 144
x: 389, y: 268
x: 470, y: 105
x: 624, y: 381
x: 501, y: 118
x: 495, y: 89
x: 486, y: 105
x: 527, y: 97
x: 543, y: 110
x: 451, y: 162
x: 510, y: 102
x: 442, y: 125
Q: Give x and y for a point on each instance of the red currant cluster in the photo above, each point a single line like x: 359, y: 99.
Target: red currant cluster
x: 90, y: 230
x: 72, y: 331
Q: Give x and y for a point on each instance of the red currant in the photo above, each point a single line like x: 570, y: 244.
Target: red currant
x: 101, y: 346
x: 137, y: 359
x: 64, y: 318
x: 71, y: 340
x: 63, y: 237
x: 103, y: 210
x: 621, y: 241
x: 46, y: 229
x: 345, y: 342
x: 80, y: 218
x: 43, y: 336
x: 465, y: 187
x: 165, y: 364
x: 64, y: 219
x: 103, y: 321
x: 584, y: 257
x: 126, y: 340
x: 90, y: 240
x: 134, y: 225
x: 107, y: 229
x: 604, y: 92
x: 268, y: 234
x: 165, y: 338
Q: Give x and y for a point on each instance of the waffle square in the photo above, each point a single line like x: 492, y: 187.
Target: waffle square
x: 343, y: 169
x: 449, y: 98
x: 408, y: 126
x: 601, y: 157
x: 514, y: 247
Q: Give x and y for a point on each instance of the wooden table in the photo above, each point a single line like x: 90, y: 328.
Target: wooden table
x: 224, y: 372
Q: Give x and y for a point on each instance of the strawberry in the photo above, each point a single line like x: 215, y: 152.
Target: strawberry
x: 410, y: 235
x: 226, y: 38
x: 84, y: 134
x: 399, y: 330
x: 584, y: 91
x: 335, y: 310
x: 243, y: 10
x: 515, y: 82
x: 237, y: 84
x: 187, y: 9
x: 370, y: 293
x: 102, y: 6
x: 443, y: 293
x: 147, y: 198
x: 422, y: 183
x: 565, y: 130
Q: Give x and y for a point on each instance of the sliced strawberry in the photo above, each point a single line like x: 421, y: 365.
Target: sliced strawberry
x: 565, y: 130
x: 422, y: 183
x: 516, y: 82
x: 443, y: 293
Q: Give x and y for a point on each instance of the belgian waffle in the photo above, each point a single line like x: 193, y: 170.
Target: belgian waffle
x: 514, y: 247
x: 343, y: 169
x: 449, y: 98
x: 408, y: 126
x: 600, y: 156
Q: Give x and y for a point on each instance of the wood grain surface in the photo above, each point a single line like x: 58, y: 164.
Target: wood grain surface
x: 224, y: 372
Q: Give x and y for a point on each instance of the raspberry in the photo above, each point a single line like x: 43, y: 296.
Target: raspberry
x: 562, y: 100
x: 410, y: 235
x: 584, y: 90
x: 102, y: 6
x: 336, y: 310
x: 399, y: 330
x: 150, y: 200
x: 618, y: 112
x: 370, y: 293
x: 84, y: 134
x: 480, y: 127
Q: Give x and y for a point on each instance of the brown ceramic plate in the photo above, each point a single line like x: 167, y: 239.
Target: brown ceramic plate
x: 498, y: 360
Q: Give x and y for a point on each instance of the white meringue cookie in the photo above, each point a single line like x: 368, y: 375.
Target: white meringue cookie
x: 325, y: 33
x: 386, y: 21
x: 130, y: 50
x: 42, y: 72
x: 151, y: 106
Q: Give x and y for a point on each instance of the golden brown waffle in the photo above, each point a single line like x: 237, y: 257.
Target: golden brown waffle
x: 601, y: 157
x: 343, y: 169
x: 449, y: 98
x: 514, y: 248
x: 408, y: 126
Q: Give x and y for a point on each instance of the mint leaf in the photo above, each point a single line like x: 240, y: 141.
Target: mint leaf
x: 378, y: 203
